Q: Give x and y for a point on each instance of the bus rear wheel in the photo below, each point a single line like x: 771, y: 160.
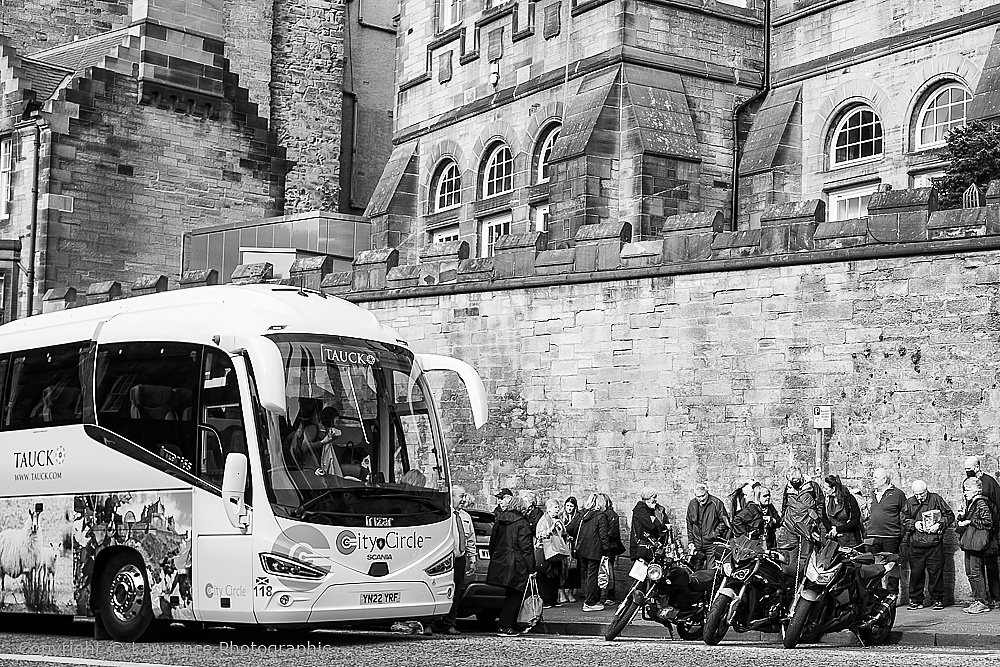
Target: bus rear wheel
x: 123, y: 598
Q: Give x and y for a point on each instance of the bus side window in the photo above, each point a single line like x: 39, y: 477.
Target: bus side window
x: 220, y: 418
x: 45, y: 387
x: 144, y: 394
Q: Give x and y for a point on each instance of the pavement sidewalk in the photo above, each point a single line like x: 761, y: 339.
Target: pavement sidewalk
x: 919, y: 627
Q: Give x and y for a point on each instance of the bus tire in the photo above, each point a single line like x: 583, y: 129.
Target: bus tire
x: 123, y: 598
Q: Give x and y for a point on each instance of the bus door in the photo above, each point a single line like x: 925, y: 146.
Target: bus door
x: 224, y: 554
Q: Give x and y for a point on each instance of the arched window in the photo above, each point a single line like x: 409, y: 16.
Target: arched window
x: 543, y: 154
x: 498, y: 171
x: 858, y: 136
x: 447, y: 186
x: 943, y: 111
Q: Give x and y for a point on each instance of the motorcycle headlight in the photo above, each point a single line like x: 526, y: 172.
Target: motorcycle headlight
x: 727, y: 569
x: 821, y: 577
x: 654, y: 572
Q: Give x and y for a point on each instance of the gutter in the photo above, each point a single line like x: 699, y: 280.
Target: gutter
x: 33, y: 225
x: 739, y: 108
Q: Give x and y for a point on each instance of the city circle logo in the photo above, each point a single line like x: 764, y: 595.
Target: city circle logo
x: 209, y: 590
x: 347, y: 542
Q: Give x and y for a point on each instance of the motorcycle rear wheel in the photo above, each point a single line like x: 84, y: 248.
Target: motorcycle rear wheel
x: 803, y: 609
x: 626, y: 612
x: 691, y: 631
x: 879, y: 633
x: 716, y: 626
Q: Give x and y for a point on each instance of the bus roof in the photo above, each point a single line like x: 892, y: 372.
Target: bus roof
x: 249, y: 309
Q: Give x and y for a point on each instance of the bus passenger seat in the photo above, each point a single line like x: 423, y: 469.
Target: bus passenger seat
x: 152, y: 401
x: 59, y: 403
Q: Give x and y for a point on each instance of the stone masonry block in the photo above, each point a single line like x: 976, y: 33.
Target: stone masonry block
x: 898, y: 201
x: 199, y: 278
x: 149, y: 284
x: 993, y: 192
x: 403, y: 276
x: 686, y: 223
x: 642, y: 253
x: 811, y: 210
x: 104, y: 291
x: 256, y: 272
x: 58, y: 298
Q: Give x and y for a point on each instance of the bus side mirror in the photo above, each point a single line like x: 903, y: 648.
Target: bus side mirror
x: 473, y: 383
x: 234, y: 481
x: 268, y: 371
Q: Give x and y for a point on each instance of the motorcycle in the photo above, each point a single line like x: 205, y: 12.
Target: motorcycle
x: 755, y: 592
x: 843, y: 589
x: 667, y: 591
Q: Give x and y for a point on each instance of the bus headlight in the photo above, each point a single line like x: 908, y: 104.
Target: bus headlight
x: 286, y: 566
x: 446, y: 564
x: 654, y: 572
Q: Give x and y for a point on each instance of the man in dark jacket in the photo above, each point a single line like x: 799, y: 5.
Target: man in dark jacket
x: 886, y: 508
x: 926, y: 518
x: 503, y: 497
x: 991, y: 492
x: 801, y: 517
x: 512, y: 559
x: 707, y: 521
x: 649, y: 521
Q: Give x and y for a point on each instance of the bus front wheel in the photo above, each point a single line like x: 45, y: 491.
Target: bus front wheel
x: 123, y: 598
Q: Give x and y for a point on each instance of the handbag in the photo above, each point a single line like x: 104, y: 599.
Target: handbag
x: 531, y: 604
x: 555, y: 548
x: 974, y: 539
x: 604, y: 572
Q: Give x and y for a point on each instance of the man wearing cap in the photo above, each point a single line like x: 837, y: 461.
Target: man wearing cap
x: 503, y: 497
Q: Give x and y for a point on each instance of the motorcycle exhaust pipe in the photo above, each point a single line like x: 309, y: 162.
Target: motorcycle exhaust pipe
x: 881, y: 611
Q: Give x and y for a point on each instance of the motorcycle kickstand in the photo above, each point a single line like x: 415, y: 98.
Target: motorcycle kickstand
x: 860, y: 640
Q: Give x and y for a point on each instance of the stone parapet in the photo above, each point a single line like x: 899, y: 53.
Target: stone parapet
x: 791, y: 232
x: 309, y: 272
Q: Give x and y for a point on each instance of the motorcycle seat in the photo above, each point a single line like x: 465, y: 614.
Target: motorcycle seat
x: 869, y: 572
x: 702, y: 580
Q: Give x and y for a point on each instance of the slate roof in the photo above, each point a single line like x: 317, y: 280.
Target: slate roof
x: 79, y: 55
x: 769, y: 127
x: 44, y: 79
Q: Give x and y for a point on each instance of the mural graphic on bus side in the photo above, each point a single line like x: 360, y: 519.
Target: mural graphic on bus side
x: 48, y: 548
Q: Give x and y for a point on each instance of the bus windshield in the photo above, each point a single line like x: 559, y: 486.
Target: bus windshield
x: 360, y: 440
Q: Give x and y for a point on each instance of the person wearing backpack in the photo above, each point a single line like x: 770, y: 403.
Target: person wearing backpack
x: 926, y: 518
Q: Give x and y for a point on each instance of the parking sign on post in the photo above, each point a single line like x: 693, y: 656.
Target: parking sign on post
x: 823, y: 416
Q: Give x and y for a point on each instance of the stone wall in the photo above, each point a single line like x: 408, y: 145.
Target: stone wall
x: 32, y: 25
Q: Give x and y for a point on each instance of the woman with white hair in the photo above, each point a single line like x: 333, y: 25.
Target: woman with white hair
x: 550, y: 570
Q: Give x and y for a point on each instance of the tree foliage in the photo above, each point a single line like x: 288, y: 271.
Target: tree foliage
x: 974, y: 158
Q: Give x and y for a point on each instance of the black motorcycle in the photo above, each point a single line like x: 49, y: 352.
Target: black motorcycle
x: 842, y: 590
x: 755, y: 592
x: 667, y: 591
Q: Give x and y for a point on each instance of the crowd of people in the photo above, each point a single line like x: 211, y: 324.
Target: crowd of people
x: 528, y: 538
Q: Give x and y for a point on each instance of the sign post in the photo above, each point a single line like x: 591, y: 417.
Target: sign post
x: 822, y: 420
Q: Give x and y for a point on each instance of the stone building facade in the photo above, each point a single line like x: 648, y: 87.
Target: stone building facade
x: 723, y: 245
x: 126, y: 125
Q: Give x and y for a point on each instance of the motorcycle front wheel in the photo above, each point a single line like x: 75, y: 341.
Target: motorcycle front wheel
x: 803, y: 609
x: 716, y: 626
x: 626, y: 612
